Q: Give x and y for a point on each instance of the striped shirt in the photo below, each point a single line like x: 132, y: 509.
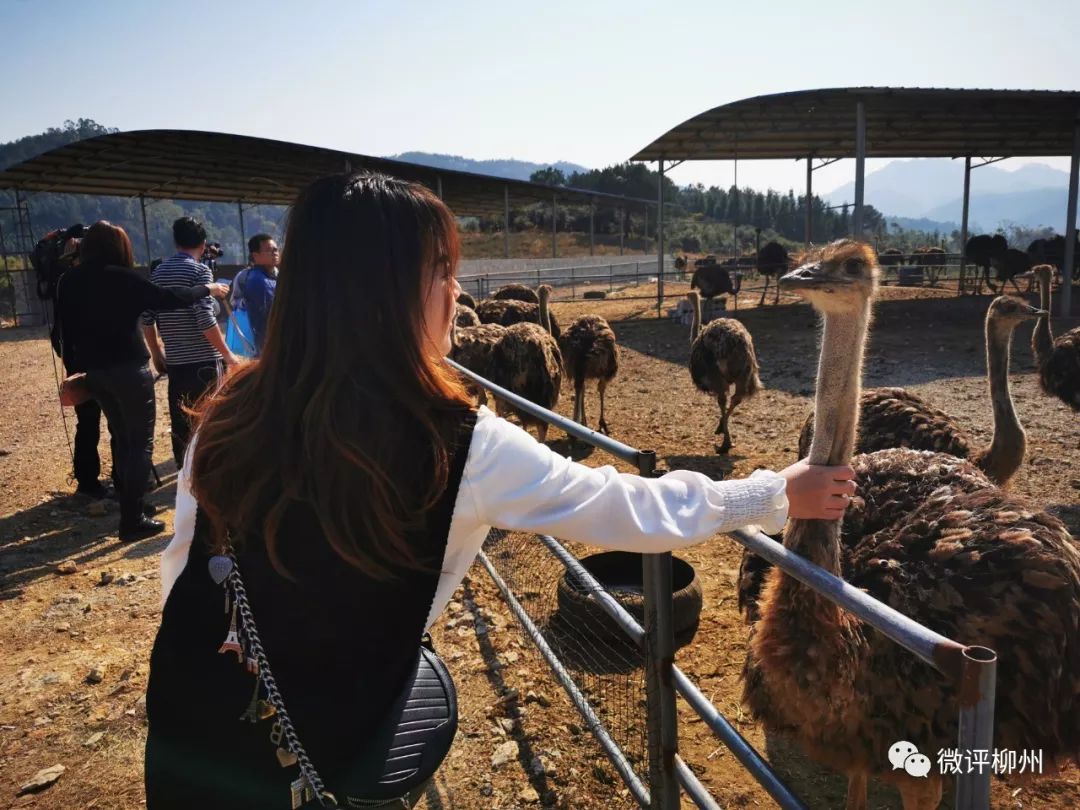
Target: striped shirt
x: 182, y: 329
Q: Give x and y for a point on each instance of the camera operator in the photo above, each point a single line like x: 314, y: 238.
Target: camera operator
x: 97, y: 315
x: 194, y: 346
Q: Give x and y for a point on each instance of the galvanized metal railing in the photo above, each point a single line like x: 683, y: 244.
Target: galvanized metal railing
x: 972, y: 668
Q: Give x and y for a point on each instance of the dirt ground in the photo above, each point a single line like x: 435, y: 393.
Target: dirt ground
x: 74, y: 648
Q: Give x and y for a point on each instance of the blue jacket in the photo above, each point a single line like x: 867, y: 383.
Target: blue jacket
x: 259, y: 291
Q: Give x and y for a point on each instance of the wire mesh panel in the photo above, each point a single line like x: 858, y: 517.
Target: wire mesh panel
x: 606, y: 666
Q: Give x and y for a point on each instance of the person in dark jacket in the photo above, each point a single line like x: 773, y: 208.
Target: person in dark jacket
x: 86, y: 464
x: 97, y: 317
x: 354, y: 480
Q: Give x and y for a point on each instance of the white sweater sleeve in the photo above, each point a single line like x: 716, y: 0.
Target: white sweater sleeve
x: 174, y: 557
x: 513, y: 482
x: 517, y: 483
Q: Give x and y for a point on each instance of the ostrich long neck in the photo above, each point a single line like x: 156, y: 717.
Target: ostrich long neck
x: 836, y: 415
x: 1006, y: 451
x: 1042, y: 341
x: 545, y: 315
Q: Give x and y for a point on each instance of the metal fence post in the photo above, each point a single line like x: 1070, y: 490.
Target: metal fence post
x: 573, y: 282
x: 659, y: 679
x: 610, y: 277
x: 978, y: 683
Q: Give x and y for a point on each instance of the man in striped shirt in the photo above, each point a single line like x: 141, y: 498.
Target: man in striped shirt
x: 194, y: 346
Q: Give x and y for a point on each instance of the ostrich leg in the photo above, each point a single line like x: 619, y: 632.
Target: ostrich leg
x: 725, y: 413
x: 921, y: 794
x: 579, y: 402
x: 601, y: 387
x: 856, y: 791
x: 776, y: 300
x: 1012, y: 280
x: 541, y: 432
x: 761, y: 303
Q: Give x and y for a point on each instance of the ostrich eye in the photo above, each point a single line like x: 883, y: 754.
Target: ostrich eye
x: 853, y: 267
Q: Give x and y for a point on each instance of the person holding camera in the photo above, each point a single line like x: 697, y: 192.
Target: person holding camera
x: 337, y: 492
x: 194, y: 346
x: 97, y: 317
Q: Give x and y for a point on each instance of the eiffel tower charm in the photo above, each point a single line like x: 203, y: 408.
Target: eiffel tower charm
x: 300, y: 792
x: 251, y: 713
x: 232, y: 640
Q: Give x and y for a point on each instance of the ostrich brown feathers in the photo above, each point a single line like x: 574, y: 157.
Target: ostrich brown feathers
x: 465, y: 316
x: 527, y: 361
x: 721, y: 356
x: 590, y: 352
x: 516, y: 292
x: 1058, y: 358
x: 509, y: 311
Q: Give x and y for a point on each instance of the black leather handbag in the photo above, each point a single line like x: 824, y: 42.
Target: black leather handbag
x: 400, y: 758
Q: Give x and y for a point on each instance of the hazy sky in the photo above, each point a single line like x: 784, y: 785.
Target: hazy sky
x: 589, y: 81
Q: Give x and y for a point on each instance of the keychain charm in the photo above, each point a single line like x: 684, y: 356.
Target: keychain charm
x: 232, y: 640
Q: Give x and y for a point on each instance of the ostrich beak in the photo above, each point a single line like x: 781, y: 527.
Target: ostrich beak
x: 807, y: 277
x: 1037, y: 313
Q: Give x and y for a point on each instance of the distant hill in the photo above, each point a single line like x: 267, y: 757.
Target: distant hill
x: 508, y: 168
x: 1032, y: 195
x: 924, y: 224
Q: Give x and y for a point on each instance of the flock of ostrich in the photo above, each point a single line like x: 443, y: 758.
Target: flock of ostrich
x: 933, y: 532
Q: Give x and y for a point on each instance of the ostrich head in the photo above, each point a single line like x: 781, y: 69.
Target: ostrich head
x: 840, y: 277
x: 839, y: 281
x: 1007, y: 312
x: 1043, y: 273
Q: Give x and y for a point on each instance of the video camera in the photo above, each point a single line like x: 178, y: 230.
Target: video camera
x: 55, y: 254
x: 211, y: 254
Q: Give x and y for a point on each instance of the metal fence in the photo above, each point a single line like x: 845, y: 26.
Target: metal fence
x: 973, y: 669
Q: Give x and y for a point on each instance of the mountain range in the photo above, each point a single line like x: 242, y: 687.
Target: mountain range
x: 509, y: 168
x: 1032, y: 195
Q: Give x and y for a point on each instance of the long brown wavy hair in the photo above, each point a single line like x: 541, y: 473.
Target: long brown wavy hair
x: 344, y: 395
x: 106, y: 244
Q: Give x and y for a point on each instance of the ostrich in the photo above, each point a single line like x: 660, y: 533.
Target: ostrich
x: 891, y: 259
x: 1058, y: 358
x: 472, y: 346
x: 713, y: 280
x: 507, y: 312
x: 465, y: 316
x: 1052, y: 251
x: 466, y: 300
x: 930, y: 536
x: 895, y: 417
x: 1010, y: 263
x: 932, y: 259
x: 772, y: 259
x: 722, y: 355
x: 590, y: 352
x: 981, y: 251
x: 516, y: 292
x: 527, y: 361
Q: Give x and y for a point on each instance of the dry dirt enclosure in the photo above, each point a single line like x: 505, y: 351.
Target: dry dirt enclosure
x: 74, y: 648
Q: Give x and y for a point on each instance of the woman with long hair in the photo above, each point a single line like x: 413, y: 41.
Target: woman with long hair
x: 98, y: 304
x: 354, y: 481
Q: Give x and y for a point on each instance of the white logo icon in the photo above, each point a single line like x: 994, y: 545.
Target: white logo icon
x: 904, y: 755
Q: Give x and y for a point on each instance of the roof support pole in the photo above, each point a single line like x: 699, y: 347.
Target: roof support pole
x: 964, y: 222
x: 660, y: 240
x: 860, y: 166
x: 554, y: 225
x: 809, y: 231
x: 506, y: 221
x: 592, y: 226
x: 1070, y: 225
x: 438, y: 185
x: 243, y: 236
x: 646, y: 233
x: 145, y: 229
x: 622, y: 228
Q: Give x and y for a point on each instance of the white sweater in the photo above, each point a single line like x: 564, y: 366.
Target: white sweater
x: 513, y: 482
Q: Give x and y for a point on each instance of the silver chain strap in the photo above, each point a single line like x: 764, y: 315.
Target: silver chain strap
x: 251, y: 634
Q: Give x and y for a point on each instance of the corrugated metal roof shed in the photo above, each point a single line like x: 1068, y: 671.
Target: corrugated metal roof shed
x: 900, y: 122
x: 214, y: 166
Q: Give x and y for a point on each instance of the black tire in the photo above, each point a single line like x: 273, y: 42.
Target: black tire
x: 621, y: 573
